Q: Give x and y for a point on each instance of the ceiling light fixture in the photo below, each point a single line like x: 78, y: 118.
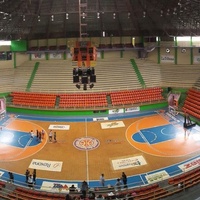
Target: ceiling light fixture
x: 114, y: 15
x: 168, y: 11
x: 52, y: 18
x: 98, y: 15
x: 174, y: 11
x: 67, y: 16
x: 38, y: 18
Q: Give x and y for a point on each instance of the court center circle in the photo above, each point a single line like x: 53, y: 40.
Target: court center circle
x: 86, y: 143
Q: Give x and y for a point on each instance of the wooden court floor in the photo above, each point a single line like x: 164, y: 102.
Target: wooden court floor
x: 110, y: 144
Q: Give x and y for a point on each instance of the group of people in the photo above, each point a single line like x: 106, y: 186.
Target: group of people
x: 38, y: 134
x: 30, y: 178
x: 120, y: 181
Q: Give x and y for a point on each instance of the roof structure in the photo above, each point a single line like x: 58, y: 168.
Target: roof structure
x: 37, y: 19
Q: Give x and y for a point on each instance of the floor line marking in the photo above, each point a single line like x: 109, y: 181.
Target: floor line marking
x: 86, y: 152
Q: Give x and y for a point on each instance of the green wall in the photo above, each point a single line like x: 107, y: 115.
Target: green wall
x: 76, y: 112
x: 153, y: 106
x: 54, y: 112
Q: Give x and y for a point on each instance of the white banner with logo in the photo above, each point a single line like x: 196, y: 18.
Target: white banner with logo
x: 55, y: 56
x: 117, y: 124
x: 100, y: 119
x: 116, y: 111
x: 157, y: 176
x: 132, y: 109
x: 196, y: 59
x: 59, y: 127
x: 187, y: 166
x: 167, y: 59
x: 130, y: 162
x: 38, y: 56
x: 46, y: 165
x: 57, y: 187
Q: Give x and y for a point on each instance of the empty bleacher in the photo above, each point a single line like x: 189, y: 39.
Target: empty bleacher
x: 150, y: 71
x: 192, y: 103
x: 136, y: 96
x: 180, y: 76
x: 56, y: 76
x: 83, y: 100
x: 165, y: 75
x: 22, y: 75
x: 53, y: 76
x: 197, y: 84
x: 115, y: 74
x: 27, y: 194
x: 6, y: 79
x: 33, y: 99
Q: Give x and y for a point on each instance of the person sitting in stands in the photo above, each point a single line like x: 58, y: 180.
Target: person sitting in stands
x: 72, y: 188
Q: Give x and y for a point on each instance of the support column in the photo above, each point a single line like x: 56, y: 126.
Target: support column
x: 191, y: 51
x: 176, y: 51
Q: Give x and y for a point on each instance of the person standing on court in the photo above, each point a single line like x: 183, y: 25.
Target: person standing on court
x: 50, y: 135
x: 27, y: 173
x: 11, y: 177
x: 30, y: 181
x: 34, y: 176
x: 124, y: 179
x: 54, y: 137
x: 102, y: 180
x: 84, y: 188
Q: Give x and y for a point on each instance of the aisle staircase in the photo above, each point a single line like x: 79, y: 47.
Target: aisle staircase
x: 139, y: 75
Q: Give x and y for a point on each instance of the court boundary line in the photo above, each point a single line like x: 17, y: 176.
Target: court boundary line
x: 134, y: 175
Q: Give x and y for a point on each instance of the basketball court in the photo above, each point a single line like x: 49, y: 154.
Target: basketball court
x: 147, y: 146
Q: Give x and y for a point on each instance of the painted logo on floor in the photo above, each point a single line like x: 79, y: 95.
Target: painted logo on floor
x: 86, y: 143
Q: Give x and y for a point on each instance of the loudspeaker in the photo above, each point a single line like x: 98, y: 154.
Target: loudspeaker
x: 84, y: 57
x: 92, y: 70
x: 78, y: 86
x: 80, y: 72
x: 88, y: 71
x: 91, y: 86
x: 85, y: 87
x: 75, y: 71
x: 75, y: 79
x: 183, y: 50
x: 93, y: 79
x: 84, y: 80
x: 91, y: 50
x: 76, y: 51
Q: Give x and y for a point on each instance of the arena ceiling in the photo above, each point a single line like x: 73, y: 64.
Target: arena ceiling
x: 34, y: 19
